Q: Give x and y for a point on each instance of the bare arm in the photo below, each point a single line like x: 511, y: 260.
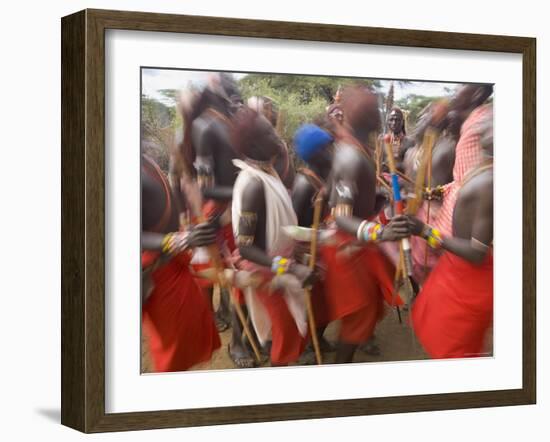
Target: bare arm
x: 302, y: 195
x: 151, y: 241
x: 396, y: 229
x: 346, y: 194
x: 476, y: 248
x: 175, y: 242
x: 205, y: 138
x: 253, y: 203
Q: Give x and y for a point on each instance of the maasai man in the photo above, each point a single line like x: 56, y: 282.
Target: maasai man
x: 399, y: 140
x: 445, y: 127
x: 468, y: 107
x: 207, y: 152
x: 446, y: 124
x: 454, y: 310
x: 314, y: 146
x: 357, y: 278
x: 261, y: 208
x: 283, y: 163
x: 177, y: 320
x: 210, y: 149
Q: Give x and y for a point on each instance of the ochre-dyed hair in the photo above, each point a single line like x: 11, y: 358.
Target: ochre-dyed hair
x: 360, y: 106
x: 438, y: 114
x: 253, y: 135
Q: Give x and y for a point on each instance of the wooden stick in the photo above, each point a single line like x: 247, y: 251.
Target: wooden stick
x: 427, y: 147
x: 405, y: 177
x: 398, y: 274
x: 398, y: 205
x: 431, y: 141
x: 215, y: 257
x: 312, y: 260
x: 377, y: 156
x: 244, y: 323
x: 384, y: 183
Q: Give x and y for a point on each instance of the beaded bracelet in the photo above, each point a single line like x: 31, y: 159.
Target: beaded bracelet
x: 369, y: 231
x: 280, y: 265
x: 174, y: 243
x: 167, y: 242
x: 432, y: 236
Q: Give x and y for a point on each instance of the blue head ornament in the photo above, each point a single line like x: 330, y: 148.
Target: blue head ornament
x: 310, y: 139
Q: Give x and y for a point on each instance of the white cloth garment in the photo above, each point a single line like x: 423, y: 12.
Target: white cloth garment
x: 279, y: 213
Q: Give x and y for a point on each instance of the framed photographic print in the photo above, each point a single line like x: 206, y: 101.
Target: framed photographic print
x: 267, y: 221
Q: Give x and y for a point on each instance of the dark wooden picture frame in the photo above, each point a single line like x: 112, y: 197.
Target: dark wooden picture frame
x: 83, y: 220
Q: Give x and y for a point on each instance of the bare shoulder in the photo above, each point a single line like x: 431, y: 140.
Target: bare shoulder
x: 254, y: 190
x: 301, y: 183
x: 347, y: 162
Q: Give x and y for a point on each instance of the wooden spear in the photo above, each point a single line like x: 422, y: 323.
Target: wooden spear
x: 430, y: 134
x: 405, y: 245
x: 312, y: 260
x: 424, y: 174
x: 404, y: 267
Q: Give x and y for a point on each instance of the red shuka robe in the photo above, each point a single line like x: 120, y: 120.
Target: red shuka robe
x: 357, y: 282
x: 177, y: 318
x: 224, y: 239
x: 454, y: 309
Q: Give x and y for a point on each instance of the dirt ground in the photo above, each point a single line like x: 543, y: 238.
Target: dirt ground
x: 395, y: 340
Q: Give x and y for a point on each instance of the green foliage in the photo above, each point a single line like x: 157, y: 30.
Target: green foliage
x: 171, y: 95
x: 413, y: 104
x: 159, y: 124
x: 300, y: 98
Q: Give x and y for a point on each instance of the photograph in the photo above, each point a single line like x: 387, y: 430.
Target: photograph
x: 273, y: 220
x: 302, y: 220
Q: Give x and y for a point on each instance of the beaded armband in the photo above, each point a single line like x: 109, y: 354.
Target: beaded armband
x: 280, y: 265
x: 369, y: 231
x: 432, y: 236
x: 343, y: 210
x: 205, y: 181
x: 433, y: 193
x: 345, y: 206
x: 244, y: 240
x: 247, y: 227
x: 205, y: 172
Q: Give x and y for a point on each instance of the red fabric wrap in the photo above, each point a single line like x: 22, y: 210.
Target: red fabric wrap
x: 319, y: 304
x: 148, y: 258
x: 454, y: 310
x: 224, y: 238
x: 356, y: 285
x: 177, y: 319
x: 287, y: 342
x: 225, y: 234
